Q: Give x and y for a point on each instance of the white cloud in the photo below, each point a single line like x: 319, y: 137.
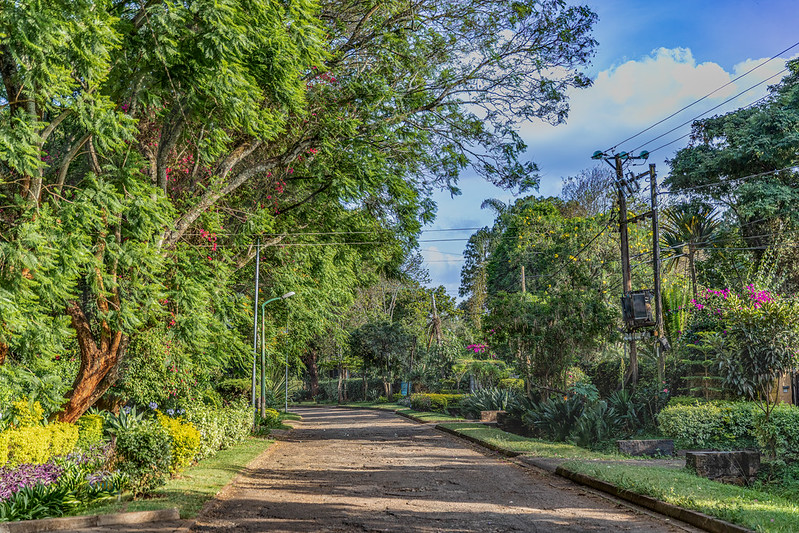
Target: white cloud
x: 623, y: 100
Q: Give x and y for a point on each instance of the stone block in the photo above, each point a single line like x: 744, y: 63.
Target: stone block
x: 737, y: 467
x: 489, y: 416
x: 648, y: 447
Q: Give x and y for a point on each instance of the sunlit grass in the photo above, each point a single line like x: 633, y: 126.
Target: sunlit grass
x: 525, y: 445
x: 752, y: 508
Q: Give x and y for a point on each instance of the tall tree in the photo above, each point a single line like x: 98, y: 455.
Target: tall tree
x: 145, y: 144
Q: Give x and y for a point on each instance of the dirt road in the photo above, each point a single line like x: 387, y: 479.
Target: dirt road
x: 355, y: 470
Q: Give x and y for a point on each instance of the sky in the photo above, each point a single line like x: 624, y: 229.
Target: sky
x: 652, y: 60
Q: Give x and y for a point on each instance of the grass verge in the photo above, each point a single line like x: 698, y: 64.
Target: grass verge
x: 428, y: 416
x: 195, y: 486
x: 525, y: 445
x: 751, y: 508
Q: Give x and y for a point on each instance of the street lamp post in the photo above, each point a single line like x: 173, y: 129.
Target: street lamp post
x: 263, y: 353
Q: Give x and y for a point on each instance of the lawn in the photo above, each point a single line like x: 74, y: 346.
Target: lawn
x: 525, y: 445
x: 428, y: 416
x: 752, y: 508
x: 196, y: 485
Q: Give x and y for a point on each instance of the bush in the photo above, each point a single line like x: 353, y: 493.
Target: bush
x: 715, y: 424
x: 782, y: 429
x: 435, y: 402
x: 90, y: 431
x: 185, y: 441
x: 556, y: 418
x: 145, y: 452
x: 63, y: 438
x: 5, y: 436
x: 26, y: 414
x: 29, y: 445
x: 599, y: 423
x: 512, y: 384
x: 486, y: 400
x: 220, y: 428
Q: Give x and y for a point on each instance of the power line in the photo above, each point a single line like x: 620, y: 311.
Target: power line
x: 704, y: 97
x: 681, y: 137
x: 680, y: 191
x: 709, y: 110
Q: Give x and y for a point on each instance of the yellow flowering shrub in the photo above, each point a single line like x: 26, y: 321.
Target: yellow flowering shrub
x: 185, y: 441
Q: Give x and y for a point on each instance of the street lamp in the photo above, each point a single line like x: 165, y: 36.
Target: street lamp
x: 263, y: 353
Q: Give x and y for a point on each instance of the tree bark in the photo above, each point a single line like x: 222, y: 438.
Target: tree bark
x: 3, y: 352
x: 98, y: 365
x: 310, y: 359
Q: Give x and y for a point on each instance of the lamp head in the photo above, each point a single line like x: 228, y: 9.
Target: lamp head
x: 288, y: 295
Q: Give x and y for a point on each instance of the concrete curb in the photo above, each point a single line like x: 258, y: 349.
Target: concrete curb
x: 70, y: 523
x: 695, y: 518
x: 498, y: 449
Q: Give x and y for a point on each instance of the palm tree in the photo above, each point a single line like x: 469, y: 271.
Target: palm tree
x: 688, y: 229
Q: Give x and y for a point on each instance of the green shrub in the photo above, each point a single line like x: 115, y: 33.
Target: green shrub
x: 715, y: 424
x: 556, y: 418
x: 90, y: 431
x: 220, y: 428
x: 782, y: 429
x: 271, y: 418
x: 513, y: 384
x: 486, y: 400
x: 145, y: 454
x: 435, y: 402
x: 185, y: 441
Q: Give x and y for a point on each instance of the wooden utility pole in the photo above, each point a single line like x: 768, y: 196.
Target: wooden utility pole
x: 659, y: 329
x: 255, y: 330
x: 524, y: 283
x: 626, y: 272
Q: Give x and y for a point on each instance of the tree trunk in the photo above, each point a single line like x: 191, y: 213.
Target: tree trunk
x: 3, y: 352
x: 313, y: 370
x: 99, y: 364
x: 365, y: 385
x: 340, y: 385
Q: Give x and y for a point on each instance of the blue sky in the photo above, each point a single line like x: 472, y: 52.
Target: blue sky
x: 652, y: 59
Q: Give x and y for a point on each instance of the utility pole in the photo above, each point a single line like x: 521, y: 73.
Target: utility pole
x: 659, y: 329
x: 524, y: 284
x: 626, y: 272
x: 255, y: 330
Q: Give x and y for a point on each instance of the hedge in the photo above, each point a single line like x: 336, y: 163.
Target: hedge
x: 435, y: 402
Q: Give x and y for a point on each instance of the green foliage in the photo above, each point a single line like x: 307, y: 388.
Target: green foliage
x: 157, y: 369
x: 44, y: 386
x: 438, y: 403
x: 185, y: 441
x: 220, y: 428
x: 715, y: 424
x: 780, y: 430
x: 556, y: 418
x: 127, y: 419
x: 512, y: 384
x: 486, y: 400
x: 90, y: 431
x: 598, y: 423
x: 145, y: 454
x: 271, y: 419
x: 26, y: 413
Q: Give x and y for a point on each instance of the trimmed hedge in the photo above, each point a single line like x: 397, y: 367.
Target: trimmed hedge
x: 716, y: 424
x: 783, y: 428
x: 90, y: 431
x: 435, y: 402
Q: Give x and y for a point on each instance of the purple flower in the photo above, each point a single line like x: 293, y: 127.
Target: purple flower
x: 12, y: 480
x: 153, y: 406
